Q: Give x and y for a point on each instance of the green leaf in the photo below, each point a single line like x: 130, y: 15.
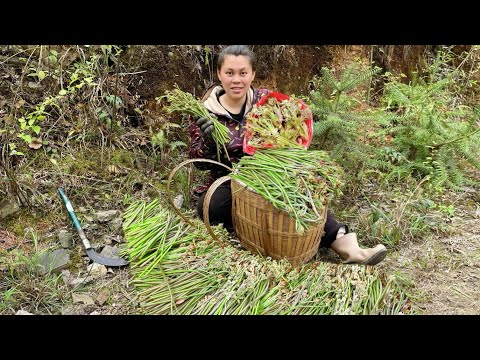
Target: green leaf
x: 114, y: 100
x: 25, y: 137
x: 54, y: 162
x: 62, y: 92
x: 36, y: 129
x: 41, y: 75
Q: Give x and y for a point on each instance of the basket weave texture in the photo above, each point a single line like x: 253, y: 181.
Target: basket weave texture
x: 261, y: 228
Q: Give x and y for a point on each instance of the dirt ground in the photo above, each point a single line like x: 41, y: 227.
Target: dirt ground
x: 445, y: 270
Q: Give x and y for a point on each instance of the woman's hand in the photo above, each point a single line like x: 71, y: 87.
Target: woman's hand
x: 206, y: 126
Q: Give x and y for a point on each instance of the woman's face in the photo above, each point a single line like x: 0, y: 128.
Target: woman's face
x: 236, y: 76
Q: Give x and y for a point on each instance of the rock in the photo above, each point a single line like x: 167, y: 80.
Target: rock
x: 89, y: 226
x: 103, y: 296
x: 23, y: 312
x: 65, y: 238
x: 97, y: 270
x: 104, y: 216
x: 66, y: 276
x: 110, y: 251
x: 116, y: 225
x: 79, y: 282
x: 53, y: 261
x: 82, y: 298
x: 75, y: 282
x: 106, y: 239
x: 68, y: 311
x: 8, y: 207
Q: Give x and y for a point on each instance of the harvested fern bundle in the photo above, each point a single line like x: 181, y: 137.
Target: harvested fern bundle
x: 185, y: 102
x: 203, y: 277
x: 278, y: 121
x: 151, y: 239
x: 296, y: 181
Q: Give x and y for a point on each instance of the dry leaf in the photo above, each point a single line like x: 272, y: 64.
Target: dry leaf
x: 20, y: 103
x: 103, y: 297
x: 8, y: 119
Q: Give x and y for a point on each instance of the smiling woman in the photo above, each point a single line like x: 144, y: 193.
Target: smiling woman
x: 230, y: 103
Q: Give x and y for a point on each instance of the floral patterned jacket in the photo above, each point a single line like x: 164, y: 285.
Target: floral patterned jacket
x: 207, y: 149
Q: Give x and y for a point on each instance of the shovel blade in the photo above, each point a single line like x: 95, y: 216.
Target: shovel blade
x: 105, y: 260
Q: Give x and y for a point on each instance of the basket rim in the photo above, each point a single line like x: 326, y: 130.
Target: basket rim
x: 242, y: 184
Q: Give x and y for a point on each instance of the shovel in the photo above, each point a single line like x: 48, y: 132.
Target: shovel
x: 96, y: 257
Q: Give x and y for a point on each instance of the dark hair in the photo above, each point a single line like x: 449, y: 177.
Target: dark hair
x: 236, y: 50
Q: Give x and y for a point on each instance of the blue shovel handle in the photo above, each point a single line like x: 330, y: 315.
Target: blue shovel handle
x: 75, y: 221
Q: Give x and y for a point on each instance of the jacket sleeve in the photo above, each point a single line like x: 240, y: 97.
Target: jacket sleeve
x: 200, y: 149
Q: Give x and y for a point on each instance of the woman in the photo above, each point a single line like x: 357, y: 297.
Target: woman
x: 230, y: 102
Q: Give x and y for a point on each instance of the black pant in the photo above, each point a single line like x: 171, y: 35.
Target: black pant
x: 220, y: 211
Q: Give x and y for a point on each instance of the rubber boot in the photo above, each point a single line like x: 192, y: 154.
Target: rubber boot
x: 350, y: 252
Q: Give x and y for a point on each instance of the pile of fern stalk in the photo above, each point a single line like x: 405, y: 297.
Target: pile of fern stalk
x: 152, y: 239
x: 195, y: 275
x: 184, y: 102
x: 278, y: 123
x: 294, y: 180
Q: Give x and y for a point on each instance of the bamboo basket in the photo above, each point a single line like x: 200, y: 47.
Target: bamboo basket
x: 265, y: 230
x: 262, y: 228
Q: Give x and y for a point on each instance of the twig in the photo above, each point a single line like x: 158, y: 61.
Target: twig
x: 133, y: 73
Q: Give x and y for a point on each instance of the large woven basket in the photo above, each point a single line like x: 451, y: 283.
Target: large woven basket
x: 261, y: 228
